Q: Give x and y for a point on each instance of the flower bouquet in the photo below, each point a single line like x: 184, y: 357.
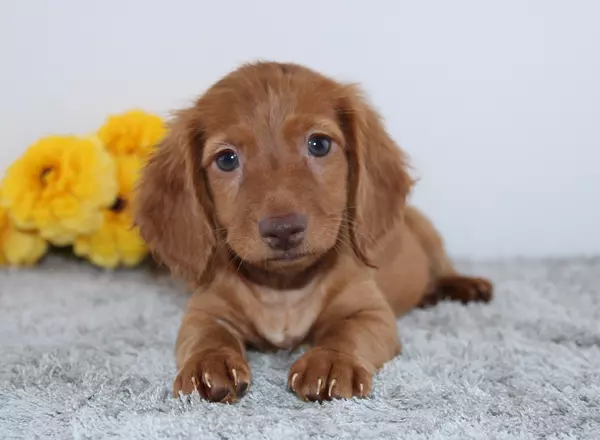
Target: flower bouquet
x: 72, y: 192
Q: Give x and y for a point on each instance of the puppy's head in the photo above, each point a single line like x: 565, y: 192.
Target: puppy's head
x: 275, y: 165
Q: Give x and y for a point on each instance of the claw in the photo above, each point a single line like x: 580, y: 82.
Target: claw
x: 293, y: 381
x: 319, y: 384
x: 361, y: 388
x: 206, y: 379
x: 331, y: 385
x: 235, y: 378
x: 195, y: 382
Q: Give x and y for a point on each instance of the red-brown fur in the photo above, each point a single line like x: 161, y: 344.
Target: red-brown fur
x: 367, y: 257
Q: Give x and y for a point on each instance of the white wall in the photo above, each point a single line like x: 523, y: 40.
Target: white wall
x: 497, y: 102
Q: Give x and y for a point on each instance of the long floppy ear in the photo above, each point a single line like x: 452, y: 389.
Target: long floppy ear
x: 379, y: 179
x: 170, y: 209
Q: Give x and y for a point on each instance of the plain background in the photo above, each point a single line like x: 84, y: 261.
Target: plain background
x: 497, y: 103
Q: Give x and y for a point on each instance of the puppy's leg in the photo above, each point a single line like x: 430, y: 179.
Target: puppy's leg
x: 355, y: 335
x: 458, y: 288
x: 210, y: 354
x: 446, y: 283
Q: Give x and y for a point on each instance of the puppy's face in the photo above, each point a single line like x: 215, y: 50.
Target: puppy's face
x: 275, y: 165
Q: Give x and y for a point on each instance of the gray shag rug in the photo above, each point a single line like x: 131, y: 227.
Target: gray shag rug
x: 88, y: 354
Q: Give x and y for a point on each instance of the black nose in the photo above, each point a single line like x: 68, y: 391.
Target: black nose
x: 284, y: 232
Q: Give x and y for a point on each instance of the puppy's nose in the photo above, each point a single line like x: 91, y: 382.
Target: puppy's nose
x: 284, y: 232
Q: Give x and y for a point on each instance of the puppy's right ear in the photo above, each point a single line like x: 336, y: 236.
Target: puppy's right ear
x: 170, y: 210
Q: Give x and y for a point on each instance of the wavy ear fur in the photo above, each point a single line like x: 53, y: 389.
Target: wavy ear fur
x: 379, y: 179
x: 171, y: 206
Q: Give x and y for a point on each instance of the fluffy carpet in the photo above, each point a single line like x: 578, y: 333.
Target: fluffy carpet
x: 88, y: 354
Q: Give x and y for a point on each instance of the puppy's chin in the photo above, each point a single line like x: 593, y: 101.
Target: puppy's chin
x: 289, y: 261
x: 282, y: 262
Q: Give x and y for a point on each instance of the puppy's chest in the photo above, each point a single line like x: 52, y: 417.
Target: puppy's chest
x: 284, y: 319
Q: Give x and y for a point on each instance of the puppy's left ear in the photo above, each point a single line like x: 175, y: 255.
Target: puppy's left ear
x: 379, y: 179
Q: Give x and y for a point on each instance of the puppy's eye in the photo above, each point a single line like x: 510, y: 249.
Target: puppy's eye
x: 227, y: 160
x: 319, y: 145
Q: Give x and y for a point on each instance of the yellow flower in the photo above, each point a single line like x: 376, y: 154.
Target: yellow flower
x: 58, y: 187
x: 117, y: 241
x: 18, y: 248
x: 135, y: 132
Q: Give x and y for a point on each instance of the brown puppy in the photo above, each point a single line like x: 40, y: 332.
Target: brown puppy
x: 280, y: 198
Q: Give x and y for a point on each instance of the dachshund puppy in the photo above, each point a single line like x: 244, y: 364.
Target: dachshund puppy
x: 280, y: 198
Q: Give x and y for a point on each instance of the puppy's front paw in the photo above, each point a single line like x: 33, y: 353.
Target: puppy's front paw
x: 217, y: 375
x: 322, y: 374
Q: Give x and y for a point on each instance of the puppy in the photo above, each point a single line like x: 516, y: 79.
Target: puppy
x: 280, y: 198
